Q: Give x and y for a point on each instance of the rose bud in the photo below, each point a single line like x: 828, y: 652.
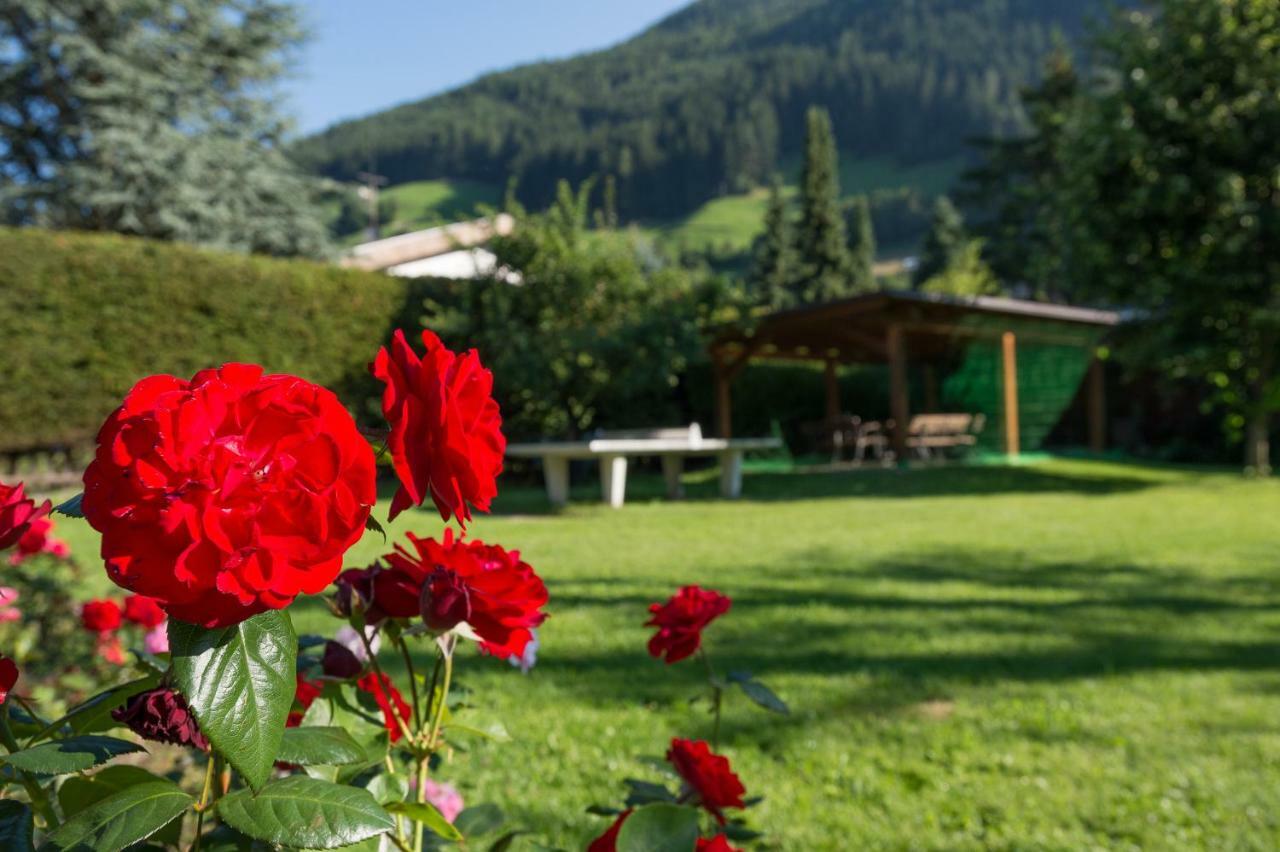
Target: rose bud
x: 445, y: 601
x: 354, y: 590
x: 161, y: 715
x: 339, y: 662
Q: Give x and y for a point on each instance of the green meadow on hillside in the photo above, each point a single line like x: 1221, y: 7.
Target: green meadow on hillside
x: 1060, y: 655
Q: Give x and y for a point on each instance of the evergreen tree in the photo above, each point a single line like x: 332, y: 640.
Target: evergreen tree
x: 820, y: 242
x: 862, y: 245
x: 943, y: 244
x: 155, y: 118
x: 773, y: 264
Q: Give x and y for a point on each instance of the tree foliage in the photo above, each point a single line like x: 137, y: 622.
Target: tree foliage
x: 943, y: 244
x: 862, y: 245
x: 153, y: 118
x: 822, y: 256
x: 773, y: 260
x: 713, y: 99
x: 599, y: 330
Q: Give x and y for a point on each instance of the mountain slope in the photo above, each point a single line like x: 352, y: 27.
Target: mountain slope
x: 710, y: 100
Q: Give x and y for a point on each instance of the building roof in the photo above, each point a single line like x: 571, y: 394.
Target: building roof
x: 431, y: 242
x: 854, y: 330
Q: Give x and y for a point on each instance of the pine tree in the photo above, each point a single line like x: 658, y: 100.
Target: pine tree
x: 773, y: 263
x: 158, y: 121
x: 943, y: 244
x: 862, y: 245
x: 820, y: 242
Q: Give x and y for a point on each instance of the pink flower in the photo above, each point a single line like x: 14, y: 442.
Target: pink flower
x: 9, y: 612
x: 445, y: 797
x: 157, y: 640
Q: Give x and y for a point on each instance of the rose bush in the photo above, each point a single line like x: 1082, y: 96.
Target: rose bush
x: 220, y: 500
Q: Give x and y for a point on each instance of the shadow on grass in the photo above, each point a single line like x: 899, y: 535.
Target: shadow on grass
x: 916, y: 627
x: 525, y: 496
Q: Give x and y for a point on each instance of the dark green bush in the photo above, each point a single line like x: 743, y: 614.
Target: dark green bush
x: 84, y: 316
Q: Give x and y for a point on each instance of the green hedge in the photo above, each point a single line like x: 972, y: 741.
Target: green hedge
x: 84, y: 316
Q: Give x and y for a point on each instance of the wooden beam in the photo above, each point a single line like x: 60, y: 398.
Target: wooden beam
x: 724, y: 404
x: 1009, y: 363
x: 898, y: 404
x: 832, y: 382
x: 1097, y: 406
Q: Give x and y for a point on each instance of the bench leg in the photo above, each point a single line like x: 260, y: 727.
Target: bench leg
x: 555, y: 470
x: 613, y: 480
x: 672, y: 468
x: 731, y: 474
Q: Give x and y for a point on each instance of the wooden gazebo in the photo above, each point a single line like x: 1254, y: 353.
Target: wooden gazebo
x: 894, y: 328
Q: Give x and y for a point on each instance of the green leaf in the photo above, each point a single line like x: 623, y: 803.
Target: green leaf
x: 759, y: 693
x: 94, y: 713
x: 428, y: 816
x: 503, y: 843
x: 121, y: 819
x: 239, y: 681
x: 387, y: 788
x: 479, y: 819
x: 16, y: 826
x: 495, y: 731
x: 319, y: 746
x: 306, y: 813
x: 646, y: 792
x: 80, y: 792
x: 371, y: 523
x: 71, y: 508
x: 63, y: 757
x: 659, y: 828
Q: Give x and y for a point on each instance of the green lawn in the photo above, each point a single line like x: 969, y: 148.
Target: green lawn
x: 1063, y: 655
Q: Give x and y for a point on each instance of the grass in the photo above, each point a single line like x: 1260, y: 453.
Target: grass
x: 1060, y: 655
x: 733, y: 221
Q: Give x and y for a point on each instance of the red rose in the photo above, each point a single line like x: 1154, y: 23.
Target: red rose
x: 680, y: 621
x: 229, y: 494
x: 100, y: 616
x: 708, y: 776
x: 608, y: 842
x: 719, y: 843
x: 500, y: 595
x: 446, y: 439
x: 305, y: 692
x: 339, y: 661
x: 17, y: 513
x: 38, y: 539
x: 143, y: 611
x: 389, y: 701
x: 8, y: 677
x: 161, y: 715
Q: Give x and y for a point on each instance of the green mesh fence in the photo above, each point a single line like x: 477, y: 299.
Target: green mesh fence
x: 1052, y: 362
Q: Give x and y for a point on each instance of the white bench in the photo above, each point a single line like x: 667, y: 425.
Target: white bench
x: 613, y: 449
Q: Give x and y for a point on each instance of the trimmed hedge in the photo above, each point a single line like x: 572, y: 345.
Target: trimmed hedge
x: 84, y: 316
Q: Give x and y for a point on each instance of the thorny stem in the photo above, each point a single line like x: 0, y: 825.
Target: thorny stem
x: 203, y: 805
x: 383, y: 682
x: 437, y: 719
x: 413, y: 680
x: 716, y: 694
x: 39, y: 799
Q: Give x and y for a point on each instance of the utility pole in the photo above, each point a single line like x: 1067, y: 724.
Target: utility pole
x: 369, y: 192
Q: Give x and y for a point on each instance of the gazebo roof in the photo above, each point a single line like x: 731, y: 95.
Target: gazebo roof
x: 854, y: 330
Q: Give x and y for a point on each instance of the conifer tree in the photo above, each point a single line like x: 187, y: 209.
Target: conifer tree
x: 773, y: 263
x: 862, y: 245
x: 156, y: 118
x: 944, y: 243
x: 820, y: 241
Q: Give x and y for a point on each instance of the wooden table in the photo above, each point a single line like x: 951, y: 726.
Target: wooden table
x: 614, y: 452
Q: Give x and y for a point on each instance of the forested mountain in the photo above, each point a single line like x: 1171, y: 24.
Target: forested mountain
x: 712, y: 99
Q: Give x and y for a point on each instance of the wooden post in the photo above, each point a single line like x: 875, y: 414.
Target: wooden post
x: 833, y: 392
x: 1097, y: 406
x: 1009, y: 361
x: 724, y: 404
x: 930, y: 389
x: 898, y: 404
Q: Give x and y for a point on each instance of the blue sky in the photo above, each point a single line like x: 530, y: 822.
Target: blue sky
x: 366, y: 55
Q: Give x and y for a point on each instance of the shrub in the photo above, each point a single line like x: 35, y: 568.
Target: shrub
x: 83, y: 315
